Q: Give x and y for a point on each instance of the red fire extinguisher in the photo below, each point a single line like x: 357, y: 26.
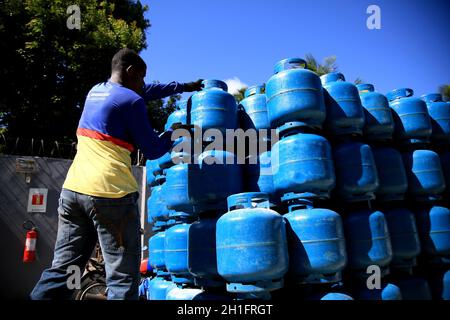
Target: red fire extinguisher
x: 29, y: 252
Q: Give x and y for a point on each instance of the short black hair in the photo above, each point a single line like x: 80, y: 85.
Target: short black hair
x: 124, y: 58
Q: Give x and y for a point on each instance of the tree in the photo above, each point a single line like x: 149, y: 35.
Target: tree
x: 50, y: 68
x: 239, y: 95
x: 445, y: 92
x: 329, y: 64
x: 159, y: 110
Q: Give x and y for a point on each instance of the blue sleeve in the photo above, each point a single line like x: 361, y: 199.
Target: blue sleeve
x: 156, y: 91
x: 143, y: 135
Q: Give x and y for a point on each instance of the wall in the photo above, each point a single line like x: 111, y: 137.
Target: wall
x: 17, y: 278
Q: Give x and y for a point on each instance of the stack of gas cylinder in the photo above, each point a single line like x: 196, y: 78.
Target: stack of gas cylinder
x: 349, y: 200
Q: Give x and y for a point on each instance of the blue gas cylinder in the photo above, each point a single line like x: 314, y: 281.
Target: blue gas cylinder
x: 439, y: 281
x: 412, y: 288
x: 316, y: 243
x: 149, y: 215
x: 181, y: 184
x: 219, y: 177
x: 379, y: 124
x: 157, y: 208
x: 356, y: 172
x: 433, y: 223
x: 294, y: 94
x: 388, y: 291
x: 202, y: 253
x: 367, y: 241
x: 156, y: 251
x: 176, y: 253
x: 302, y: 164
x: 425, y: 176
x: 214, y: 107
x: 150, y: 166
x: 411, y: 118
x: 159, y: 287
x: 252, y: 252
x: 178, y: 116
x: 404, y: 237
x: 165, y: 161
x: 258, y: 176
x: 336, y: 296
x: 345, y: 114
x: 254, y: 105
x: 393, y: 182
x: 184, y: 294
x: 445, y: 164
x: 439, y: 112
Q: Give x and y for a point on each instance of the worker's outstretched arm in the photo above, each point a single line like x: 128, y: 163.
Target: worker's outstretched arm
x: 143, y: 135
x: 156, y: 91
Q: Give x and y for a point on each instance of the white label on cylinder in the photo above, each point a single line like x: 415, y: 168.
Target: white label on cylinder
x: 30, y: 244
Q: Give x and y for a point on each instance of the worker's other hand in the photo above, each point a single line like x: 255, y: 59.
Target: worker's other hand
x: 193, y: 86
x: 180, y: 125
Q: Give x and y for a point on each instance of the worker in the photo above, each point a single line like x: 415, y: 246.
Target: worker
x: 99, y: 197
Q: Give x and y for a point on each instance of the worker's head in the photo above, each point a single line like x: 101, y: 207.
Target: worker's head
x: 130, y: 68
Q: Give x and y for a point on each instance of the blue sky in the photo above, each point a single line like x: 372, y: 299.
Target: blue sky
x: 243, y: 39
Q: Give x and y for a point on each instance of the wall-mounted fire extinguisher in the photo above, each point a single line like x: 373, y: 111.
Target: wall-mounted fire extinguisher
x: 29, y: 252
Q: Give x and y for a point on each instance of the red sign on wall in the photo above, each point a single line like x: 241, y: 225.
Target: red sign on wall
x: 37, y: 200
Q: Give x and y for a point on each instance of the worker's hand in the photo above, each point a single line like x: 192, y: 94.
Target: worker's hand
x: 193, y: 86
x: 180, y: 125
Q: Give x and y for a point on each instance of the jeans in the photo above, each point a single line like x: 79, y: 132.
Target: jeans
x: 82, y: 220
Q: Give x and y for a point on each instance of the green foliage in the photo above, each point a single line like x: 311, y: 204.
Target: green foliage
x: 358, y: 81
x: 239, y: 96
x: 49, y: 68
x: 445, y: 91
x: 159, y: 110
x: 328, y: 65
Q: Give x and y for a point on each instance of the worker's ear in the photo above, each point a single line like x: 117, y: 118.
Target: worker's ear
x: 131, y: 70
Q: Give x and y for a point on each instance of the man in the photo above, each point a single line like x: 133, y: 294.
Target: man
x: 99, y: 196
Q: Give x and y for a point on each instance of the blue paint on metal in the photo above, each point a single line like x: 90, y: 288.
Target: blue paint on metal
x: 345, y: 114
x: 445, y: 164
x: 157, y: 209
x: 336, y: 296
x: 176, y: 253
x: 254, y: 107
x: 202, y: 253
x: 316, y: 243
x: 219, y: 176
x: 439, y: 112
x: 181, y: 182
x: 214, y: 107
x: 183, y: 294
x: 393, y: 182
x: 252, y: 252
x: 433, y: 223
x: 258, y: 177
x: 404, y: 237
x: 367, y: 241
x: 356, y: 172
x: 425, y: 176
x: 194, y: 188
x: 156, y: 249
x: 302, y: 164
x: 379, y: 123
x: 388, y: 291
x: 178, y: 116
x: 411, y: 118
x: 294, y: 94
x: 159, y: 287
